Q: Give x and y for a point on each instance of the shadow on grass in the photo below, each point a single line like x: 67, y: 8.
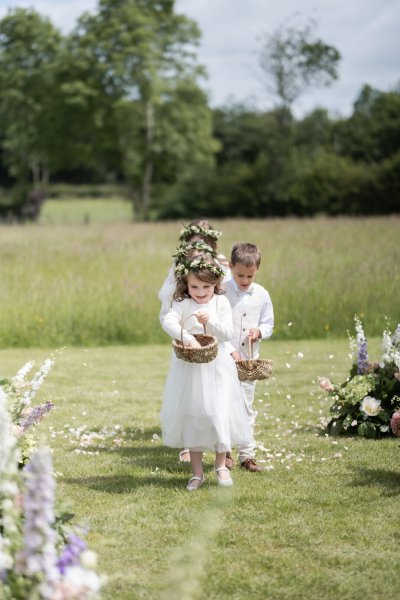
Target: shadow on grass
x: 126, y: 484
x: 388, y: 480
x: 151, y: 464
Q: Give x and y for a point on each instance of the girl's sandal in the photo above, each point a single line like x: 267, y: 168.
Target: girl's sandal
x: 192, y: 485
x: 224, y: 482
x: 184, y: 456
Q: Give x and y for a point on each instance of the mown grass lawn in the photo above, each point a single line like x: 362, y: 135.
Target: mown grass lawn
x: 320, y: 523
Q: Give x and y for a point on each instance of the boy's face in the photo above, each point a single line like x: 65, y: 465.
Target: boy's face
x: 244, y: 276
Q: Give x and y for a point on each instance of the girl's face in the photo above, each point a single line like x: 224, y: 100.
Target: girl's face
x: 200, y: 291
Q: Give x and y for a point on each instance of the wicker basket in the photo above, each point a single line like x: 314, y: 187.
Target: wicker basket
x: 205, y: 354
x: 254, y: 369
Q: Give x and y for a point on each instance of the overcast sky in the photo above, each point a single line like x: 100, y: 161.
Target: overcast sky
x: 366, y: 33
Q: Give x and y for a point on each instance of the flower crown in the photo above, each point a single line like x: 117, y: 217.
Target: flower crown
x: 195, y: 265
x: 192, y: 230
x: 185, y: 248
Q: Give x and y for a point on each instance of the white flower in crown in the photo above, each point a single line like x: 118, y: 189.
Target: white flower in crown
x: 185, y: 248
x: 188, y: 232
x: 370, y: 406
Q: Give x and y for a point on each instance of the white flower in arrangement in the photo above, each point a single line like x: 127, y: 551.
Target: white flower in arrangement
x: 370, y: 406
x: 386, y: 347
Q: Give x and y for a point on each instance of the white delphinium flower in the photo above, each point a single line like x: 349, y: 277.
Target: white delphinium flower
x: 396, y: 337
x: 353, y: 347
x: 370, y: 406
x: 9, y: 457
x: 386, y: 347
x: 19, y: 380
x: 37, y: 381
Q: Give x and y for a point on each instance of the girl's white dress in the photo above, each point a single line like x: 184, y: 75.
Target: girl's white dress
x: 203, y: 406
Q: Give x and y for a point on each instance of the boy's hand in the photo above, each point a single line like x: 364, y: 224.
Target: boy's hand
x: 202, y: 317
x: 236, y: 356
x: 254, y: 335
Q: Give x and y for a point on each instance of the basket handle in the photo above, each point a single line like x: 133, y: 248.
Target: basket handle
x: 184, y: 320
x: 250, y: 348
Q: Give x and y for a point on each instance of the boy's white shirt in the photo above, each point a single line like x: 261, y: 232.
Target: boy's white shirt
x: 251, y: 309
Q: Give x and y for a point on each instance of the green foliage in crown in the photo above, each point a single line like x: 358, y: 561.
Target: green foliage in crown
x: 185, y: 248
x: 195, y: 265
x: 191, y: 230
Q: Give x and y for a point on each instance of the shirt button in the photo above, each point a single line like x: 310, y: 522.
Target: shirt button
x: 243, y: 329
x: 244, y: 314
x: 243, y: 344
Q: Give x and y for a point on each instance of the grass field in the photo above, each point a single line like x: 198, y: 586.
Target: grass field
x: 97, y: 284
x: 320, y: 523
x: 84, y: 212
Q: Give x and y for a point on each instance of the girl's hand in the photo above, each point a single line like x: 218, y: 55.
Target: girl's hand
x: 236, y: 356
x: 254, y: 335
x: 202, y: 317
x: 194, y: 344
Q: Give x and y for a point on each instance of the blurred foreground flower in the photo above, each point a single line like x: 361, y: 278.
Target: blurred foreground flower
x: 19, y: 392
x: 41, y: 557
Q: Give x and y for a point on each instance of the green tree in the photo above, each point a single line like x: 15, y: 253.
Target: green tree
x: 372, y: 133
x: 293, y: 60
x: 146, y: 54
x: 29, y: 46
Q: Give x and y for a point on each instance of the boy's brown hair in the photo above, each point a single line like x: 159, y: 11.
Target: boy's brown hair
x: 246, y: 254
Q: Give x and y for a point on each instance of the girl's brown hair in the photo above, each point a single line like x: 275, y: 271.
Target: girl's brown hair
x: 205, y: 275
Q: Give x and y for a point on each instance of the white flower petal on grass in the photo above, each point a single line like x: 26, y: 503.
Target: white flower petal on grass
x: 288, y: 365
x: 300, y: 355
x: 370, y: 406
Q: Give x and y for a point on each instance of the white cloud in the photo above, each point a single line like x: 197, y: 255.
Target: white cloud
x: 364, y: 31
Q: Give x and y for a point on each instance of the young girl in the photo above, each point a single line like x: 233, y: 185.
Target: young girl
x: 199, y: 237
x: 201, y: 232
x: 203, y: 406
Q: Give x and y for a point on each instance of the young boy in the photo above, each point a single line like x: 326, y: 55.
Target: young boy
x: 253, y: 320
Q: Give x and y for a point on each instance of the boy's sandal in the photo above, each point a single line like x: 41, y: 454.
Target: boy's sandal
x: 184, y: 456
x: 193, y: 488
x: 224, y: 482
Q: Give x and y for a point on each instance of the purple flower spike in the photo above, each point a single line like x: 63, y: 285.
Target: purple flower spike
x: 362, y: 358
x: 38, y: 557
x: 36, y: 414
x: 71, y: 553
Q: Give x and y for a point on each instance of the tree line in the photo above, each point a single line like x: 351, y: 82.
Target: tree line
x: 120, y: 99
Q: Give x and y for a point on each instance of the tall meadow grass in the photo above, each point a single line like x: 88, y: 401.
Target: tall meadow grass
x: 97, y: 284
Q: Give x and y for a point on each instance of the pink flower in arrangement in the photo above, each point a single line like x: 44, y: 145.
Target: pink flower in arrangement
x: 326, y: 384
x: 395, y: 423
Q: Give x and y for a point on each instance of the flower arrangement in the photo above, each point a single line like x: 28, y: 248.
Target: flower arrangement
x: 197, y: 264
x: 368, y: 402
x: 20, y: 392
x: 41, y: 556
